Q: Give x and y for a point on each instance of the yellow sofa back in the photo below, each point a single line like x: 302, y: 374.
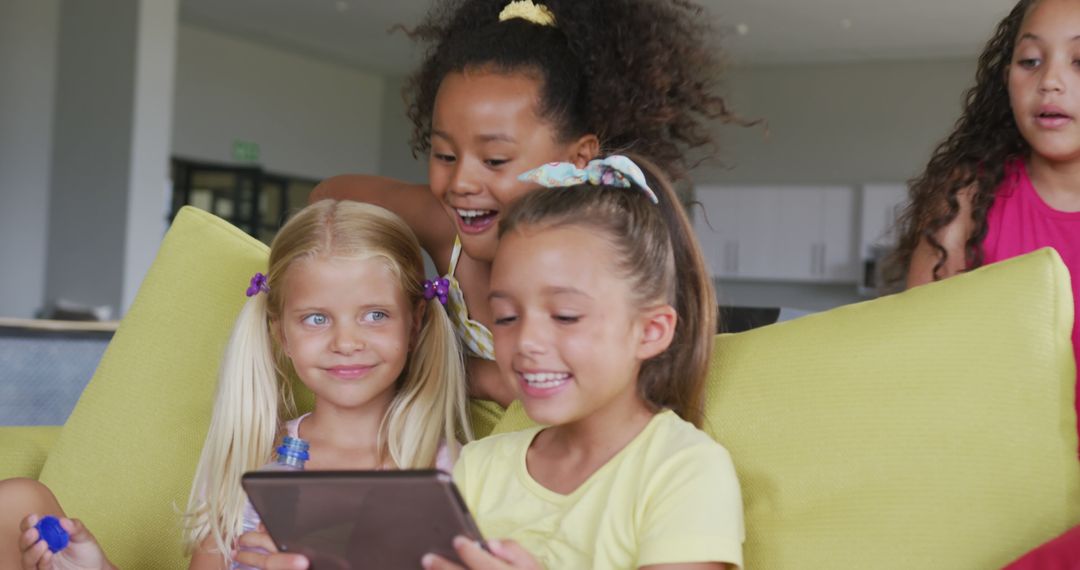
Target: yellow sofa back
x: 125, y: 458
x: 933, y: 428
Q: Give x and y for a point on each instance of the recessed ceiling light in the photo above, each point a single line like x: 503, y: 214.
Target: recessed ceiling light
x: 742, y: 29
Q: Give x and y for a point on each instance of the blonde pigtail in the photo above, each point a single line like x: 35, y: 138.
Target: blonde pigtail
x: 455, y: 397
x: 446, y: 352
x: 431, y: 406
x: 242, y: 430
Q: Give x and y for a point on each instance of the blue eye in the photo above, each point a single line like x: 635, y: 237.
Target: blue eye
x: 376, y: 316
x: 316, y: 319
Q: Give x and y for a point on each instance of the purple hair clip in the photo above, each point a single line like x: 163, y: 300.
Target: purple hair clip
x: 258, y: 285
x: 437, y: 288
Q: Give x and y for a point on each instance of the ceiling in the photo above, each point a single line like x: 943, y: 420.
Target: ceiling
x: 355, y: 32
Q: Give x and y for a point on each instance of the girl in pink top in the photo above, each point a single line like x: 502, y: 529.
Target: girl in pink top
x: 1021, y: 220
x: 1007, y: 180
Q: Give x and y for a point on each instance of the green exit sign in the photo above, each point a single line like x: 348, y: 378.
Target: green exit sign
x: 245, y: 151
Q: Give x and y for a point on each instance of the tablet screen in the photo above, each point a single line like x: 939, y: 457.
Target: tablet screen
x: 361, y: 519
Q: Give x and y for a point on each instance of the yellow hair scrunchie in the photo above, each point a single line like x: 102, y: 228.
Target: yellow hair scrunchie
x: 524, y: 9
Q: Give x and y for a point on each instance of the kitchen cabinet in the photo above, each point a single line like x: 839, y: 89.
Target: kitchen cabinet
x: 779, y: 233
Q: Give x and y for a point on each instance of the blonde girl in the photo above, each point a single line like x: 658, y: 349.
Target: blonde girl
x: 345, y: 307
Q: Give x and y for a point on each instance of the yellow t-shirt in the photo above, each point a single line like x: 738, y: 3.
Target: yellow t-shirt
x: 670, y: 496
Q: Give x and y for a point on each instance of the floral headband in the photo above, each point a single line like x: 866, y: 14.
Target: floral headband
x: 525, y: 10
x: 615, y: 170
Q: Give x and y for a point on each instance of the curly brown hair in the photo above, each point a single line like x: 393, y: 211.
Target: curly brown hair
x: 974, y: 156
x: 639, y: 74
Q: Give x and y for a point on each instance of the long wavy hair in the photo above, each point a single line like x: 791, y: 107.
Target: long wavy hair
x: 984, y: 140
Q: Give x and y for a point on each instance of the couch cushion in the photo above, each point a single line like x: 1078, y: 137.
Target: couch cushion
x: 23, y: 450
x: 125, y: 459
x: 931, y: 429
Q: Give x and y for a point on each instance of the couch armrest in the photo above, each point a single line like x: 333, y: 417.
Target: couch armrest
x: 23, y: 450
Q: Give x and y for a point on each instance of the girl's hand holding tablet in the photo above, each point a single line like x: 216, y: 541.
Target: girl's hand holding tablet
x: 499, y: 555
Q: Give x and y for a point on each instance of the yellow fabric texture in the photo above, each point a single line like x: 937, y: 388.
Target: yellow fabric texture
x: 484, y: 415
x: 125, y: 459
x: 931, y: 429
x: 23, y: 450
x: 670, y: 496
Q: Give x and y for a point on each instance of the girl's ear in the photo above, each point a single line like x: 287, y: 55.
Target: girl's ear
x: 658, y: 330
x: 584, y: 149
x: 418, y: 322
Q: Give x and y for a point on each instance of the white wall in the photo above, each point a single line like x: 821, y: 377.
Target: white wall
x: 28, y: 33
x: 832, y: 124
x: 110, y: 148
x: 841, y: 123
x: 310, y: 118
x: 838, y: 123
x: 397, y: 159
x: 148, y: 196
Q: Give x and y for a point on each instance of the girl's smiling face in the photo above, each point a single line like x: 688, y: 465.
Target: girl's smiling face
x: 486, y: 131
x: 346, y: 325
x: 1044, y: 79
x: 567, y: 332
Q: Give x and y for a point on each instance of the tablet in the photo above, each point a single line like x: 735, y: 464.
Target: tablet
x: 361, y: 519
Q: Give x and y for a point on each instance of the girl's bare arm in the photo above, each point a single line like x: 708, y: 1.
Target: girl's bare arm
x: 206, y: 557
x: 413, y: 202
x: 953, y: 238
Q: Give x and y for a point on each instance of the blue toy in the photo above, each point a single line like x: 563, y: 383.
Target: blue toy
x: 52, y: 533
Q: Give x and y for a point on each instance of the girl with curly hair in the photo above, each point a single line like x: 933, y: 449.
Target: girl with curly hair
x: 508, y: 86
x: 1007, y: 180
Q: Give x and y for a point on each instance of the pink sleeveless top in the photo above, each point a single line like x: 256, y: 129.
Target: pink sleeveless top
x: 1020, y: 222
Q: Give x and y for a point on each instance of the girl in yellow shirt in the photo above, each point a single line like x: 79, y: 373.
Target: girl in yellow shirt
x: 603, y: 318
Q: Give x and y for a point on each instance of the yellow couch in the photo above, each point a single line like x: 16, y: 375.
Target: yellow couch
x: 929, y: 429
